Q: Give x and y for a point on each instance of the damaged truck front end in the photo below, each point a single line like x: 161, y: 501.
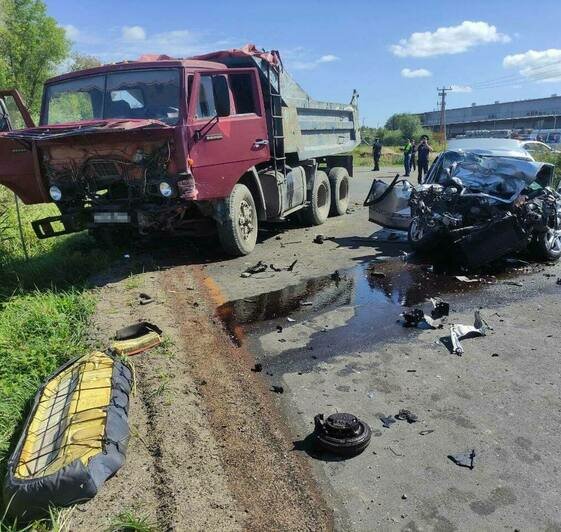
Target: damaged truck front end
x: 475, y: 210
x: 100, y: 169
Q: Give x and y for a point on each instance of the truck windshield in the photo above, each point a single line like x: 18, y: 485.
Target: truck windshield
x: 130, y: 94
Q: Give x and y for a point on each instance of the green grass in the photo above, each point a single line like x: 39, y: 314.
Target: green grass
x: 129, y: 521
x: 391, y: 155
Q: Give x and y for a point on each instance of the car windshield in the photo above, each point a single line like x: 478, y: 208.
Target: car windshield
x: 152, y: 94
x: 501, y: 177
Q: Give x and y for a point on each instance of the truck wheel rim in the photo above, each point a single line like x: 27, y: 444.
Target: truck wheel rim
x: 246, y: 219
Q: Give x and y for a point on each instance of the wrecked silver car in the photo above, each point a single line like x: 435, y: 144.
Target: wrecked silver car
x: 478, y: 205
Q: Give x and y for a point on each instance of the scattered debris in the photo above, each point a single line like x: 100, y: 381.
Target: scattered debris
x: 404, y: 496
x: 279, y: 328
x: 441, y: 308
x: 260, y: 267
x: 558, y: 280
x: 258, y: 368
x: 413, y: 317
x: 342, y: 434
x: 387, y: 422
x: 145, y: 299
x: 495, y: 355
x: 460, y: 332
x: 513, y: 283
x: 336, y: 276
x: 425, y: 432
x: 306, y: 303
x: 466, y: 459
x: 371, y: 395
x: 291, y: 320
x: 277, y: 389
x: 377, y: 275
x: 407, y: 415
x: 319, y: 239
x: 284, y: 244
x: 136, y: 338
x: 465, y: 279
x: 395, y: 452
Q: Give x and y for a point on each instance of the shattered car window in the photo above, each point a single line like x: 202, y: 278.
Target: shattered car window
x: 499, y: 177
x: 132, y: 94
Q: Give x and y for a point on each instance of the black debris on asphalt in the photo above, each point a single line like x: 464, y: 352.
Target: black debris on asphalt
x: 279, y: 328
x: 413, y: 317
x: 277, y: 389
x: 319, y: 239
x: 440, y: 308
x: 257, y: 368
x: 466, y: 459
x: 407, y: 415
x: 145, y: 299
x: 260, y: 267
x: 342, y: 434
x: 387, y: 422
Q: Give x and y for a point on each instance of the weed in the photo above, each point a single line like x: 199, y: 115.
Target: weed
x: 129, y: 521
x: 133, y: 282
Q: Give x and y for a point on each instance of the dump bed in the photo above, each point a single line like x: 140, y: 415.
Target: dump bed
x: 311, y: 128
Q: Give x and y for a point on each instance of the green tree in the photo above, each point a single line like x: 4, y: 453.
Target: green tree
x: 32, y: 44
x: 83, y: 61
x: 408, y: 124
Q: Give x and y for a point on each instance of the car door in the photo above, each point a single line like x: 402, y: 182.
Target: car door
x: 18, y: 157
x: 223, y: 148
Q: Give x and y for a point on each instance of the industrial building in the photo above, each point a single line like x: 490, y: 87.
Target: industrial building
x: 536, y: 114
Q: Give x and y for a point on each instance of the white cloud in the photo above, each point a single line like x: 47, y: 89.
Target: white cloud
x: 417, y: 73
x: 448, y: 40
x: 133, y: 33
x: 314, y: 63
x: 461, y: 88
x: 329, y: 58
x: 72, y: 32
x: 537, y: 65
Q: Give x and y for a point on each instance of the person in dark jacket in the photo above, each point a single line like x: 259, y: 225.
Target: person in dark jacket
x: 376, y: 154
x: 423, y: 158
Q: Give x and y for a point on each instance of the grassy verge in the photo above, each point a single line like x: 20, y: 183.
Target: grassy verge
x: 391, y: 155
x: 45, y: 308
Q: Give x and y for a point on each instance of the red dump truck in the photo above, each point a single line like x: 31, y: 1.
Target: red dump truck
x: 215, y: 143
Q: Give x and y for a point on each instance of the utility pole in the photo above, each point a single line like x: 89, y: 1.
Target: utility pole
x: 442, y: 94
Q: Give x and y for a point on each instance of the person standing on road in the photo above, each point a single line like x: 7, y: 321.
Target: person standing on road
x: 407, y: 157
x: 413, y: 155
x: 423, y: 157
x: 376, y: 154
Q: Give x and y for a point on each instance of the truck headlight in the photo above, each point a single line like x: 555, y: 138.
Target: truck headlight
x: 165, y: 189
x: 55, y: 193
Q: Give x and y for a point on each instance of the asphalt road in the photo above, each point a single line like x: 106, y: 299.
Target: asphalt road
x: 334, y: 343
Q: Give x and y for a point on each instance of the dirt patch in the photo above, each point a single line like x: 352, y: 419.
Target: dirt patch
x: 208, y: 450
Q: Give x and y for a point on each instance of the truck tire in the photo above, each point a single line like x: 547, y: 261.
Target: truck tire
x: 320, y: 200
x: 238, y: 231
x: 340, y: 191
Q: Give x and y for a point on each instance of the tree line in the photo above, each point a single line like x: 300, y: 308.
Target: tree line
x: 33, y: 48
x: 398, y: 128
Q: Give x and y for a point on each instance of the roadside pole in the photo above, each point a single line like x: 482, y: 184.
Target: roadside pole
x: 442, y: 94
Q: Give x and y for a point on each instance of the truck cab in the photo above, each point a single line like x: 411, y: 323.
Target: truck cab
x: 190, y: 146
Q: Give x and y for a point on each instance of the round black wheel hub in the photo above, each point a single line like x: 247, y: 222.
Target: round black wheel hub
x: 342, y: 434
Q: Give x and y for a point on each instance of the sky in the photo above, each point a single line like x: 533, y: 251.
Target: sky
x: 395, y: 54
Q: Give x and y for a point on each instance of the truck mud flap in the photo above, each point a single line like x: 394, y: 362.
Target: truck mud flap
x: 65, y: 224
x: 388, y: 204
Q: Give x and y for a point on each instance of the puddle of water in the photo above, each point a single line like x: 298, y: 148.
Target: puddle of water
x: 378, y: 291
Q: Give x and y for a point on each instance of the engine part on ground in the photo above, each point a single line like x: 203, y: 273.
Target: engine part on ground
x: 136, y: 338
x: 342, y: 434
x: 74, y: 439
x: 406, y: 415
x: 413, y: 317
x: 466, y: 459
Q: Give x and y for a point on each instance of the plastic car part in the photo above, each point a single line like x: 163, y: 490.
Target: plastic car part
x: 136, y: 338
x: 342, y: 434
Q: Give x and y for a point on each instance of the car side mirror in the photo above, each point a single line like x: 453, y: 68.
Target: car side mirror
x: 221, y: 95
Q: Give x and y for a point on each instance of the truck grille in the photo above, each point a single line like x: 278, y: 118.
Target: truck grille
x: 105, y: 169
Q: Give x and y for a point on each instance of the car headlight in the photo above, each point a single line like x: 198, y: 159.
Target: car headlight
x: 55, y: 193
x: 165, y: 189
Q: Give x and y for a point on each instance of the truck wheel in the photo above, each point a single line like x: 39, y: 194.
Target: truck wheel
x: 320, y: 200
x: 340, y: 188
x: 238, y: 231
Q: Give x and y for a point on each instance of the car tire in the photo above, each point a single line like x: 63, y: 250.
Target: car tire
x: 420, y: 238
x: 340, y: 191
x: 319, y: 198
x: 237, y: 231
x: 547, y: 246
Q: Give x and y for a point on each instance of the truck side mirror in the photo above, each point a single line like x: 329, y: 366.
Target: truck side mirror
x: 221, y: 95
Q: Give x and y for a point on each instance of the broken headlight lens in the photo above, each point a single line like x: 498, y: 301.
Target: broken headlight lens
x: 166, y: 190
x: 55, y: 193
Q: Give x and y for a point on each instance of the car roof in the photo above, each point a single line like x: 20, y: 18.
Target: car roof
x: 490, y: 147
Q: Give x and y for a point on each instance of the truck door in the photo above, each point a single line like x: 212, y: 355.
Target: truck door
x: 17, y: 157
x: 223, y: 148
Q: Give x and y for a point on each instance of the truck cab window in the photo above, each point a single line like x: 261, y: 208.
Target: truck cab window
x: 205, y: 105
x: 241, y: 86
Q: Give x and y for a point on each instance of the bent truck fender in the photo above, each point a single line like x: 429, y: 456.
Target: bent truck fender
x: 388, y: 204
x: 251, y: 180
